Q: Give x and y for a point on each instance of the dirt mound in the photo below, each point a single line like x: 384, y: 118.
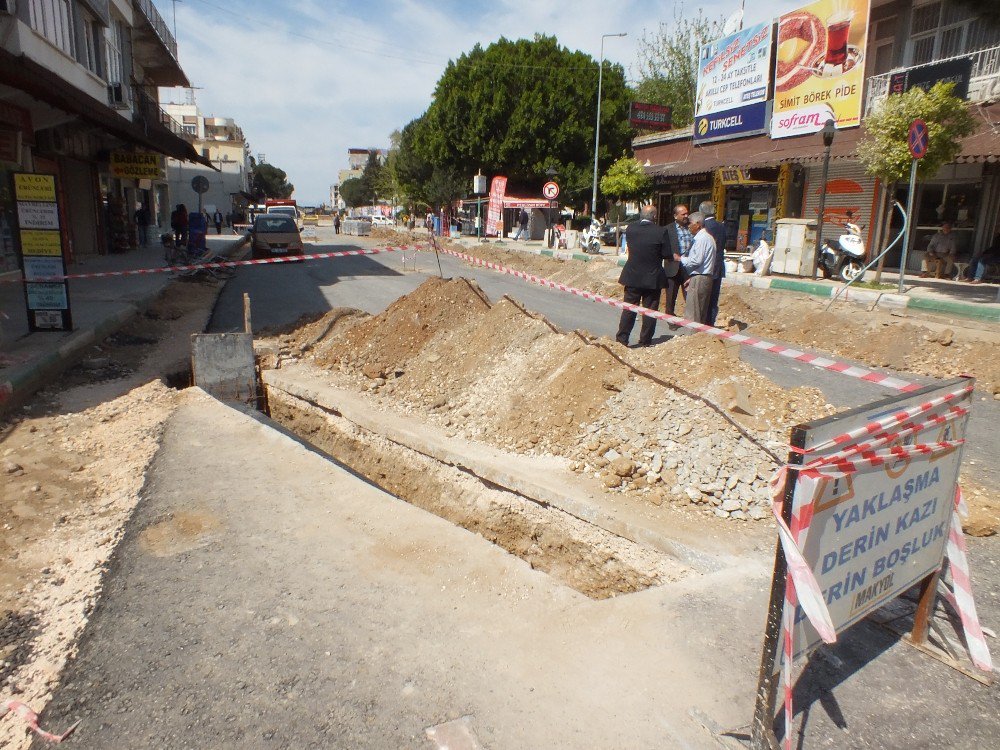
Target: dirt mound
x: 686, y: 422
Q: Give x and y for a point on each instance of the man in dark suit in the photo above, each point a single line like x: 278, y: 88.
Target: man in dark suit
x: 643, y: 276
x: 718, y: 231
x: 679, y: 241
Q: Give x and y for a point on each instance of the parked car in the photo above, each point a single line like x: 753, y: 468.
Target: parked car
x: 274, y: 234
x: 381, y: 221
x: 607, y: 234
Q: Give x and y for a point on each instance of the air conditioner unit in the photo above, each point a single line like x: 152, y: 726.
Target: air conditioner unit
x: 116, y: 95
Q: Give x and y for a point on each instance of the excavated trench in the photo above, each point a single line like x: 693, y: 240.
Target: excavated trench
x: 579, y: 554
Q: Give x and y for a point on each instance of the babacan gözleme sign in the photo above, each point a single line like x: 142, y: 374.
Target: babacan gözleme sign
x: 733, y: 75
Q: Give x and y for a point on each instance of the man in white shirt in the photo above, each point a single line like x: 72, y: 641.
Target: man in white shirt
x: 699, y: 265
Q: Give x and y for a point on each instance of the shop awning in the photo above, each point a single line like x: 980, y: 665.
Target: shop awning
x: 23, y: 73
x: 682, y: 157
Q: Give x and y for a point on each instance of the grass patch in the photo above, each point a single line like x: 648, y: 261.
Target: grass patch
x: 872, y: 285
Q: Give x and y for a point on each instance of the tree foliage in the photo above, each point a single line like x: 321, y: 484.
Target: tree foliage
x: 352, y: 192
x: 268, y: 181
x: 667, y: 62
x: 626, y: 180
x: 883, y: 150
x: 371, y: 177
x: 517, y: 108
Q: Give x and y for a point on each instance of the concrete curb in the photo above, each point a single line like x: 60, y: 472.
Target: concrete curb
x: 866, y: 297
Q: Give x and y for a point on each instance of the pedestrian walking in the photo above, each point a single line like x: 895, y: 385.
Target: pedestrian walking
x: 336, y: 223
x: 142, y: 219
x: 699, y: 264
x: 643, y: 276
x: 522, y: 225
x: 718, y: 231
x: 218, y: 218
x: 679, y: 239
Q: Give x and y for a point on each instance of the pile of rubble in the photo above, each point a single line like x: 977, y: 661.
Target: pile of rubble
x: 685, y: 423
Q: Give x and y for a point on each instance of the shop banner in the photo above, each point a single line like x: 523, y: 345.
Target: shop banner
x: 39, y: 238
x: 819, y: 67
x: 136, y: 165
x: 958, y: 72
x: 494, y: 211
x: 733, y: 75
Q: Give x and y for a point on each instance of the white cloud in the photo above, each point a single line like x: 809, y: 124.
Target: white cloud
x: 307, y: 79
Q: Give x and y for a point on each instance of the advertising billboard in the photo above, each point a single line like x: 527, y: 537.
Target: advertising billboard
x: 733, y: 76
x: 819, y: 67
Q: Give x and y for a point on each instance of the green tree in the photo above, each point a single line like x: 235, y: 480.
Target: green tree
x: 883, y: 150
x: 371, y: 177
x: 268, y: 181
x: 352, y: 191
x: 626, y: 180
x: 667, y: 62
x: 413, y: 170
x: 517, y: 108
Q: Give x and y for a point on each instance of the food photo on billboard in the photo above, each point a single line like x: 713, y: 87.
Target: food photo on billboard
x: 819, y: 67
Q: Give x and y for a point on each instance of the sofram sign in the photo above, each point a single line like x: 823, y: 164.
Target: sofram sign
x: 878, y: 530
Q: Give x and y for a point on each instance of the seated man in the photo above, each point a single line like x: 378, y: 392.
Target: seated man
x: 941, y: 252
x: 988, y: 257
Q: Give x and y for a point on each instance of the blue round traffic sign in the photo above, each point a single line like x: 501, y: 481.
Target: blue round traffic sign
x: 918, y: 139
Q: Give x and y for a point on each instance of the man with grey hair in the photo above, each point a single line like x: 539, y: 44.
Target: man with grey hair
x: 700, y: 266
x: 643, y: 275
x: 718, y: 231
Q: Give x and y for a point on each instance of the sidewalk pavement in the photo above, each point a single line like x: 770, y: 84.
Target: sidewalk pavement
x: 934, y: 296
x: 30, y: 361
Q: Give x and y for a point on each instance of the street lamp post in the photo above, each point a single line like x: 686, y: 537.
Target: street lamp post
x: 829, y: 130
x: 597, y: 129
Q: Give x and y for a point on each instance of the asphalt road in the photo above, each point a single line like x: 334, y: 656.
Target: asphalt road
x: 280, y: 294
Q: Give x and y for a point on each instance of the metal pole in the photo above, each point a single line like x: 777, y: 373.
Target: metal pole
x: 597, y: 128
x: 909, y: 232
x: 822, y: 209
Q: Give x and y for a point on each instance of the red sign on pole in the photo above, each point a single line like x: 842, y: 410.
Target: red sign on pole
x: 918, y: 139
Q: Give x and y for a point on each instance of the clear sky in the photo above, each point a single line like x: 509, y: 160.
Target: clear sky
x: 307, y: 79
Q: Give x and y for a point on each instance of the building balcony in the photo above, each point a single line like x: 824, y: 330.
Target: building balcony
x: 149, y: 113
x: 984, y: 78
x: 155, y: 48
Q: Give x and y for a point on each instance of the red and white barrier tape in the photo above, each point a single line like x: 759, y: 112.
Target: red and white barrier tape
x: 815, y: 360
x: 225, y: 264
x: 28, y: 715
x: 893, y: 419
x: 961, y: 576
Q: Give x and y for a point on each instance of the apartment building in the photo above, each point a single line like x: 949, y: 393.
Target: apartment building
x: 219, y: 141
x: 760, y: 174
x: 78, y: 100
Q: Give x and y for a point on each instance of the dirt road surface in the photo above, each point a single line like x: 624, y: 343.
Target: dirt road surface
x: 237, y: 562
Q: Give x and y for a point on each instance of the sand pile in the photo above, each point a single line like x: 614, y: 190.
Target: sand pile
x: 685, y: 423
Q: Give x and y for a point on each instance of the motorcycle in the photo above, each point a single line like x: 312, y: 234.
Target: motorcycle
x: 845, y: 258
x: 590, y: 239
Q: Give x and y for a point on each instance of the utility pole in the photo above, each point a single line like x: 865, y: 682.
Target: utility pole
x: 597, y: 129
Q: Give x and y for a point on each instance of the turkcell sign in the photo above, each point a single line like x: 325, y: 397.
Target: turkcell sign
x: 733, y: 77
x: 748, y: 120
